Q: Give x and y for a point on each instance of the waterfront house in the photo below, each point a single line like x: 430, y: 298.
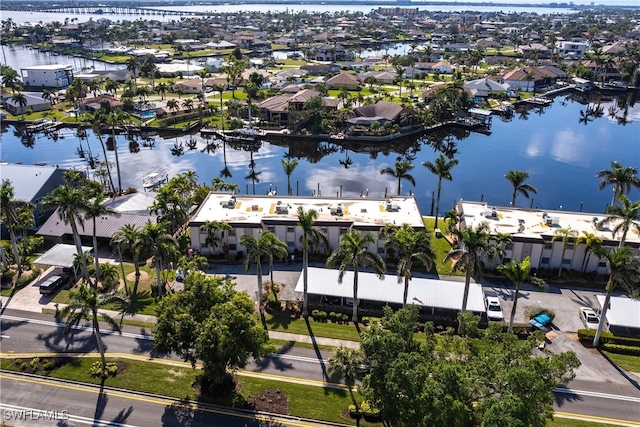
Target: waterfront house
x: 334, y: 52
x: 31, y: 183
x: 287, y: 107
x: 251, y: 215
x: 381, y: 112
x: 93, y: 104
x: 531, y: 49
x: 47, y: 76
x: 483, y: 88
x: 532, y: 232
x: 34, y: 103
x: 571, y: 49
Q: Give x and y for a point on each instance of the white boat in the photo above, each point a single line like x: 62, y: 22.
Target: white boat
x: 154, y: 179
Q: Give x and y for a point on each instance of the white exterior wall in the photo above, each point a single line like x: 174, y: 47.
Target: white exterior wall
x: 45, y: 77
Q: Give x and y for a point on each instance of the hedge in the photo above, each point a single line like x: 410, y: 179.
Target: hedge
x: 608, y: 338
x: 622, y: 349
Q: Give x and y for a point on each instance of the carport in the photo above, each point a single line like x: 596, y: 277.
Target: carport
x: 61, y: 255
x: 623, y: 315
x: 431, y: 294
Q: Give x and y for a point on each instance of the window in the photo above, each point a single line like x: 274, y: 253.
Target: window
x: 570, y: 245
x: 566, y: 261
x: 343, y: 230
x: 602, y: 264
x: 232, y: 246
x: 544, y: 260
x: 508, y: 246
x: 291, y: 245
x: 506, y: 260
x: 232, y: 232
x: 380, y: 251
x: 271, y: 229
x: 325, y: 230
x: 548, y: 245
x: 290, y: 229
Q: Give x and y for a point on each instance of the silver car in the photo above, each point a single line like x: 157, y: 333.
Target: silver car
x: 494, y: 311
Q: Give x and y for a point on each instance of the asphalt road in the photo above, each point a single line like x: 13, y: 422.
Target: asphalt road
x: 25, y: 332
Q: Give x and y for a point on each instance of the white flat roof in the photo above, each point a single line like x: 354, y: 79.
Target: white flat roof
x: 49, y: 67
x: 425, y: 292
x: 61, y: 255
x: 623, y: 312
x: 509, y: 220
x: 359, y: 211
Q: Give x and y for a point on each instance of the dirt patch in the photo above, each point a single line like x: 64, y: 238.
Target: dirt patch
x: 270, y: 400
x: 145, y: 280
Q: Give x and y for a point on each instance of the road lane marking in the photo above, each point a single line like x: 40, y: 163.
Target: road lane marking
x: 196, y: 406
x: 596, y: 419
x: 5, y: 336
x: 69, y: 417
x: 597, y: 394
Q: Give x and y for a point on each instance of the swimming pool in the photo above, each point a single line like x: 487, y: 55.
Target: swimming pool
x: 147, y: 114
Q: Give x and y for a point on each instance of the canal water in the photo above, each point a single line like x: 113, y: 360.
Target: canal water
x: 559, y: 148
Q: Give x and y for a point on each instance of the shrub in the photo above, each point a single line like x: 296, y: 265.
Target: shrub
x: 110, y: 370
x: 273, y: 302
x: 319, y: 315
x: 537, y: 311
x: 48, y: 365
x: 622, y: 349
x: 367, y: 320
x: 469, y: 323
x: 24, y: 366
x: 35, y: 362
x: 345, y: 317
x: 589, y: 334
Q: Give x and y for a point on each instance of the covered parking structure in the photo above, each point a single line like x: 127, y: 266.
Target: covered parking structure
x: 436, y: 297
x: 623, y: 315
x: 61, y: 255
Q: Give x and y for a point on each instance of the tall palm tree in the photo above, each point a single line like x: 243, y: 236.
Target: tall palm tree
x: 622, y: 178
x: 133, y: 65
x: 309, y: 234
x: 628, y: 215
x: 473, y: 245
x: 442, y: 169
x: 71, y: 203
x: 174, y: 106
x: 591, y: 243
x: 94, y: 209
x: 161, y: 89
x: 353, y: 253
x: 517, y: 178
x: 519, y: 272
x: 114, y: 119
x: 412, y: 249
x: 130, y: 237
x: 9, y: 215
x: 96, y: 120
x: 20, y: 100
x: 623, y: 269
x: 157, y: 243
x: 266, y: 246
x: 565, y: 235
x: 85, y: 303
x: 289, y: 166
x: 346, y: 362
x: 212, y: 228
x: 400, y: 172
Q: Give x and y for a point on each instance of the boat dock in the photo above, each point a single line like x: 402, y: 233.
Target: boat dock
x: 43, y: 125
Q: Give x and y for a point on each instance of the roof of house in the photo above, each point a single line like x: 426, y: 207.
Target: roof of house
x: 520, y: 74
x: 436, y: 293
x: 137, y: 203
x: 343, y: 78
x: 384, y: 109
x: 486, y: 85
x: 280, y: 102
x: 622, y: 311
x: 106, y: 225
x: 61, y: 255
x: 27, y: 180
x: 31, y: 98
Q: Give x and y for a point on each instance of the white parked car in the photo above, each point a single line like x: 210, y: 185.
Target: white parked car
x: 494, y: 311
x: 589, y: 318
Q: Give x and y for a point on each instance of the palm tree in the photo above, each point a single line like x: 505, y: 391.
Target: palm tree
x: 628, y: 214
x: 622, y: 268
x: 622, y: 178
x: 161, y: 89
x: 114, y: 119
x: 267, y: 245
x: 156, y: 242
x: 133, y: 65
x: 174, y: 106
x: 346, y: 363
x: 20, y: 100
x: 591, y: 243
x: 400, y: 172
x: 211, y: 228
x: 564, y: 234
x: 473, y: 245
x: 289, y: 166
x: 129, y: 236
x: 442, y: 169
x: 71, y: 203
x: 309, y: 234
x: 94, y: 209
x: 412, y: 248
x: 519, y: 272
x: 85, y: 303
x: 517, y: 178
x: 353, y: 253
x: 9, y: 215
x: 96, y: 121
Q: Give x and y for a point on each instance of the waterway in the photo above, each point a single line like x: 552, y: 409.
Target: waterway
x: 561, y: 152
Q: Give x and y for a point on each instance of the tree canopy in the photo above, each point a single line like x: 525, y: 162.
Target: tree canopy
x: 450, y: 382
x: 211, y: 323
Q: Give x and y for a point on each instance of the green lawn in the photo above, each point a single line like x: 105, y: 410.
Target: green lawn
x: 627, y: 362
x: 440, y: 246
x: 285, y: 323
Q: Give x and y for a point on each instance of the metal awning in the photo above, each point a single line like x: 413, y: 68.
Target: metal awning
x: 434, y: 293
x: 622, y: 312
x: 60, y: 255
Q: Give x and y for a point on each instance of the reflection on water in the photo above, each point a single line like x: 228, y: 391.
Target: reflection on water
x: 561, y: 153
